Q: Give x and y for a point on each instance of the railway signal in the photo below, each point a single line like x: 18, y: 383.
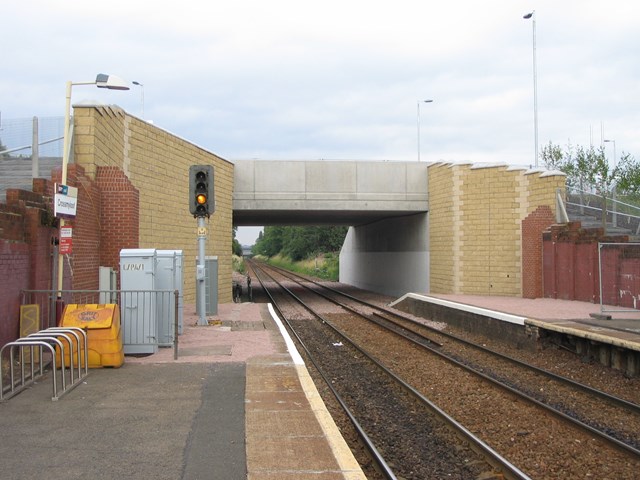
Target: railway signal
x: 201, y: 194
x: 201, y: 204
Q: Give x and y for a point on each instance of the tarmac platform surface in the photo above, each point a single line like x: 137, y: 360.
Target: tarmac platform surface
x: 237, y: 403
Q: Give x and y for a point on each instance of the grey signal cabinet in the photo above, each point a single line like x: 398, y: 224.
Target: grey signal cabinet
x: 138, y: 302
x: 210, y: 286
x: 169, y: 277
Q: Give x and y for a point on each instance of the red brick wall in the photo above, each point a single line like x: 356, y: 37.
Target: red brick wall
x: 532, y: 273
x: 41, y: 237
x: 26, y: 233
x: 85, y: 257
x: 107, y: 220
x: 120, y: 215
x: 572, y: 266
x: 14, y: 265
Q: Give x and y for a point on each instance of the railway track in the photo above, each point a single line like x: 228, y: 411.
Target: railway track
x: 517, y: 409
x: 615, y: 419
x: 406, y: 435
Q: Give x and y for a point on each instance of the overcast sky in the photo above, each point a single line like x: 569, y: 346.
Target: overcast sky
x: 284, y: 79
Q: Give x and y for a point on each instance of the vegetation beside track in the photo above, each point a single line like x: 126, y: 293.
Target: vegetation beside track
x: 309, y: 250
x: 324, y: 266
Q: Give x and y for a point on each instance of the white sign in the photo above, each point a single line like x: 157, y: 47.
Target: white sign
x: 66, y: 240
x: 66, y: 232
x: 65, y: 201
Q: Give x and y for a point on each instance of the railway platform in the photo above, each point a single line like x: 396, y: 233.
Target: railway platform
x: 237, y: 403
x: 612, y: 339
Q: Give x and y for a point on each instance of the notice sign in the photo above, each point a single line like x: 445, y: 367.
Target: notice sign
x: 66, y: 240
x: 65, y: 202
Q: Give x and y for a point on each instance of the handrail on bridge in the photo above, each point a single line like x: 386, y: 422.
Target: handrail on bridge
x: 561, y: 211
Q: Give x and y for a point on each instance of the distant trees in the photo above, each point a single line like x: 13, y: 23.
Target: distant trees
x: 299, y: 243
x: 589, y: 169
x: 235, y: 246
x: 2, y: 149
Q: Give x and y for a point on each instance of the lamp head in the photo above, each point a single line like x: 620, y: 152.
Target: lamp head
x: 111, y: 82
x: 528, y: 15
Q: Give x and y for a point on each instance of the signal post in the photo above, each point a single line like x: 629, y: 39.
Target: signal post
x: 201, y: 205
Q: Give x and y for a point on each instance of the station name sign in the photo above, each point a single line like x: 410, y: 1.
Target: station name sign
x: 65, y: 201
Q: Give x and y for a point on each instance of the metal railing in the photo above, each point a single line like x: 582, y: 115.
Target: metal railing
x: 74, y: 360
x: 149, y: 318
x: 22, y: 134
x: 561, y: 210
x: 619, y: 277
x: 619, y: 214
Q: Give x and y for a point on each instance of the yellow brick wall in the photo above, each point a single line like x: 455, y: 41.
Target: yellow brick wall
x: 441, y: 229
x: 475, y: 216
x: 540, y: 188
x: 157, y: 164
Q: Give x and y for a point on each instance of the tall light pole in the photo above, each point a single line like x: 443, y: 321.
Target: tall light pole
x: 141, y: 85
x: 613, y: 189
x: 615, y: 161
x: 102, y: 81
x: 419, y: 102
x: 532, y: 16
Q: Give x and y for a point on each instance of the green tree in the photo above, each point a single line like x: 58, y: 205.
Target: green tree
x: 270, y: 243
x: 589, y: 168
x: 630, y: 178
x: 299, y: 242
x: 2, y: 149
x: 236, y: 248
x: 554, y: 157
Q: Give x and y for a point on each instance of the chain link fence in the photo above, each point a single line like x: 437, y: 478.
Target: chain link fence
x: 29, y: 148
x: 17, y: 136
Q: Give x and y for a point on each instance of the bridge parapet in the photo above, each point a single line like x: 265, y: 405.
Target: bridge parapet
x: 338, y: 192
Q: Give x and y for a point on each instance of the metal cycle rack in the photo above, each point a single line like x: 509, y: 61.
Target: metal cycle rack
x: 53, y: 339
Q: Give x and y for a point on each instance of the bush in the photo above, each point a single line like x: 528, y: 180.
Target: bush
x: 238, y: 264
x: 325, y: 267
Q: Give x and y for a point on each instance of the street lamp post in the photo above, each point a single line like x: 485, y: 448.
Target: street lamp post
x: 615, y: 161
x: 110, y: 82
x: 532, y: 16
x: 141, y: 85
x: 419, y: 102
x: 613, y: 189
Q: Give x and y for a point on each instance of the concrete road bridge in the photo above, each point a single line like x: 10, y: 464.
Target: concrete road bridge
x: 384, y: 202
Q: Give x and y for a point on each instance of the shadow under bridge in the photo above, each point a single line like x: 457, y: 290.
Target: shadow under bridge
x: 384, y: 202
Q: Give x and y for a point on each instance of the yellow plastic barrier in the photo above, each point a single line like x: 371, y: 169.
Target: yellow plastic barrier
x: 104, y: 336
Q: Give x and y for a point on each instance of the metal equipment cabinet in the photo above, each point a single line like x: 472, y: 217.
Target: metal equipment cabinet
x: 169, y: 277
x: 138, y: 302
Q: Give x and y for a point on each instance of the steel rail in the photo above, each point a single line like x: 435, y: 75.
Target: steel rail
x: 491, y: 456
x: 578, y: 423
x: 376, y: 456
x: 633, y: 407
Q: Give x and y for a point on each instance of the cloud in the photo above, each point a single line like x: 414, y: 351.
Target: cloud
x: 288, y: 79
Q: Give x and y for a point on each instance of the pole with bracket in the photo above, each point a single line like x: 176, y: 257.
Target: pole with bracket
x: 200, y: 272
